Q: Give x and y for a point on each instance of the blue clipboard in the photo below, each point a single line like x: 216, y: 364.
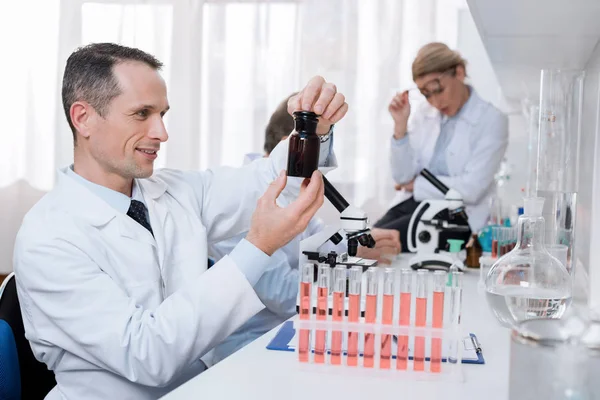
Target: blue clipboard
x: 283, y: 342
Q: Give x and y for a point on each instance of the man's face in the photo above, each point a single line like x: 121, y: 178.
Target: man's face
x: 444, y: 91
x: 126, y: 140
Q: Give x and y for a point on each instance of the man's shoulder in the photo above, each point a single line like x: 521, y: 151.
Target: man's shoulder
x: 172, y: 178
x: 45, y: 219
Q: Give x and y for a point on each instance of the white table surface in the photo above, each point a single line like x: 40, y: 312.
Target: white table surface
x: 257, y: 373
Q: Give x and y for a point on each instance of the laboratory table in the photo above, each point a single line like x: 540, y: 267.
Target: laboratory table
x: 257, y: 373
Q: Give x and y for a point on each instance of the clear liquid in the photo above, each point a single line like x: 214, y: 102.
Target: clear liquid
x: 513, y: 304
x: 560, y: 209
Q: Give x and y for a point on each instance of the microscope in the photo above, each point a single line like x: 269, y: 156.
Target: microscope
x: 353, y: 226
x: 430, y: 219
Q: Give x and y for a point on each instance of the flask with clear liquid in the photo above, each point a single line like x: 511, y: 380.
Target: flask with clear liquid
x: 528, y: 282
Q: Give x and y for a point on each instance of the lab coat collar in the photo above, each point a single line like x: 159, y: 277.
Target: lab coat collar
x: 153, y: 187
x: 82, y: 202
x: 79, y: 200
x: 472, y: 109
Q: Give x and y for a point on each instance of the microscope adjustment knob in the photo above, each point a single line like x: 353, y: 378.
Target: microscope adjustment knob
x: 424, y: 237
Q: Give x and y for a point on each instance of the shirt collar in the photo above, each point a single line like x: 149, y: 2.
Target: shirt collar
x: 115, y: 199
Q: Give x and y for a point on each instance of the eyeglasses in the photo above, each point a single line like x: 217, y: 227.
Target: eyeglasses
x: 434, y: 86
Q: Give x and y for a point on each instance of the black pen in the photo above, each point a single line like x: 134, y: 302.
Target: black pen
x: 476, y: 344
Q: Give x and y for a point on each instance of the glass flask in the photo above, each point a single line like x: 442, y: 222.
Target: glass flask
x: 304, y: 145
x: 528, y: 282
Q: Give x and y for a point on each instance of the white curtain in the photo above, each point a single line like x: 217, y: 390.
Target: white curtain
x: 227, y: 66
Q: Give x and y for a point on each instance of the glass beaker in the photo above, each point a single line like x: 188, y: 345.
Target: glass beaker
x: 560, y: 251
x: 528, y: 282
x: 534, y: 127
x: 561, y: 105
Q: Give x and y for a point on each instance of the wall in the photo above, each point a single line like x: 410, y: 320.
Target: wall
x: 484, y: 80
x: 588, y: 216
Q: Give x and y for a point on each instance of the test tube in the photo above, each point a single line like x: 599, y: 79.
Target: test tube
x: 339, y: 289
x: 495, y: 242
x: 500, y: 242
x: 306, y: 279
x: 437, y: 318
x: 420, y: 319
x: 370, y: 316
x: 322, y: 296
x: 406, y: 276
x: 456, y: 306
x: 354, y: 283
x: 387, y: 316
x: 455, y: 312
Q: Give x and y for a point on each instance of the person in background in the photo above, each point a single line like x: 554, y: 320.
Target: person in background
x: 455, y: 134
x: 279, y: 285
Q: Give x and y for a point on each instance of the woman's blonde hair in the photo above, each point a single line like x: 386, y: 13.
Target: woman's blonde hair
x: 436, y: 57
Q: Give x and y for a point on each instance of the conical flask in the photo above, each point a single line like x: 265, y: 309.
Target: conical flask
x: 528, y: 282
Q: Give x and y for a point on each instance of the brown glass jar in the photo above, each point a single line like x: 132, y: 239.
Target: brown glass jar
x: 474, y: 252
x: 304, y: 145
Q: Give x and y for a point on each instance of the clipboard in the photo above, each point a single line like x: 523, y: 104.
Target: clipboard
x: 284, y: 341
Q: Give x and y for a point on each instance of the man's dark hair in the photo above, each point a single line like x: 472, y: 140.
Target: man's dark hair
x: 280, y: 125
x: 89, y: 75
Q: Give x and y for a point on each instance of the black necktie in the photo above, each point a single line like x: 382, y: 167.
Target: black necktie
x: 137, y: 211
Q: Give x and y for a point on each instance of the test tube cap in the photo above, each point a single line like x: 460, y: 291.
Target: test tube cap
x: 389, y: 280
x: 307, y: 273
x: 355, y: 279
x: 372, y: 280
x: 324, y: 275
x: 339, y: 278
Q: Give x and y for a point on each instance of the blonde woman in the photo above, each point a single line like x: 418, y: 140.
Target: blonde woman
x: 455, y: 134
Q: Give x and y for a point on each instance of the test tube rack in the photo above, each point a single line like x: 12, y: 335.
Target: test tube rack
x: 422, y: 348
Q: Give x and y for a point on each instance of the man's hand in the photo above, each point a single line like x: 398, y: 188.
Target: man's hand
x: 323, y: 99
x: 272, y: 227
x: 409, y: 187
x: 386, y: 247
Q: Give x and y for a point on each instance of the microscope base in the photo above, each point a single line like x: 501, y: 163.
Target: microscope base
x: 435, y: 262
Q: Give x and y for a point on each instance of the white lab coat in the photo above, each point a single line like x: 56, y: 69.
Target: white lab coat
x: 119, y: 315
x: 277, y: 289
x: 473, y: 156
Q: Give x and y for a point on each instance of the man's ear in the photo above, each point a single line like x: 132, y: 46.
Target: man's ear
x: 81, y: 114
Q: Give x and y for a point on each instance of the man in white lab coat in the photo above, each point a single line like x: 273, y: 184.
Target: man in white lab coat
x: 110, y: 265
x: 279, y: 285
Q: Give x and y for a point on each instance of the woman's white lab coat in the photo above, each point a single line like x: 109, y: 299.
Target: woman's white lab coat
x: 119, y: 315
x: 473, y: 156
